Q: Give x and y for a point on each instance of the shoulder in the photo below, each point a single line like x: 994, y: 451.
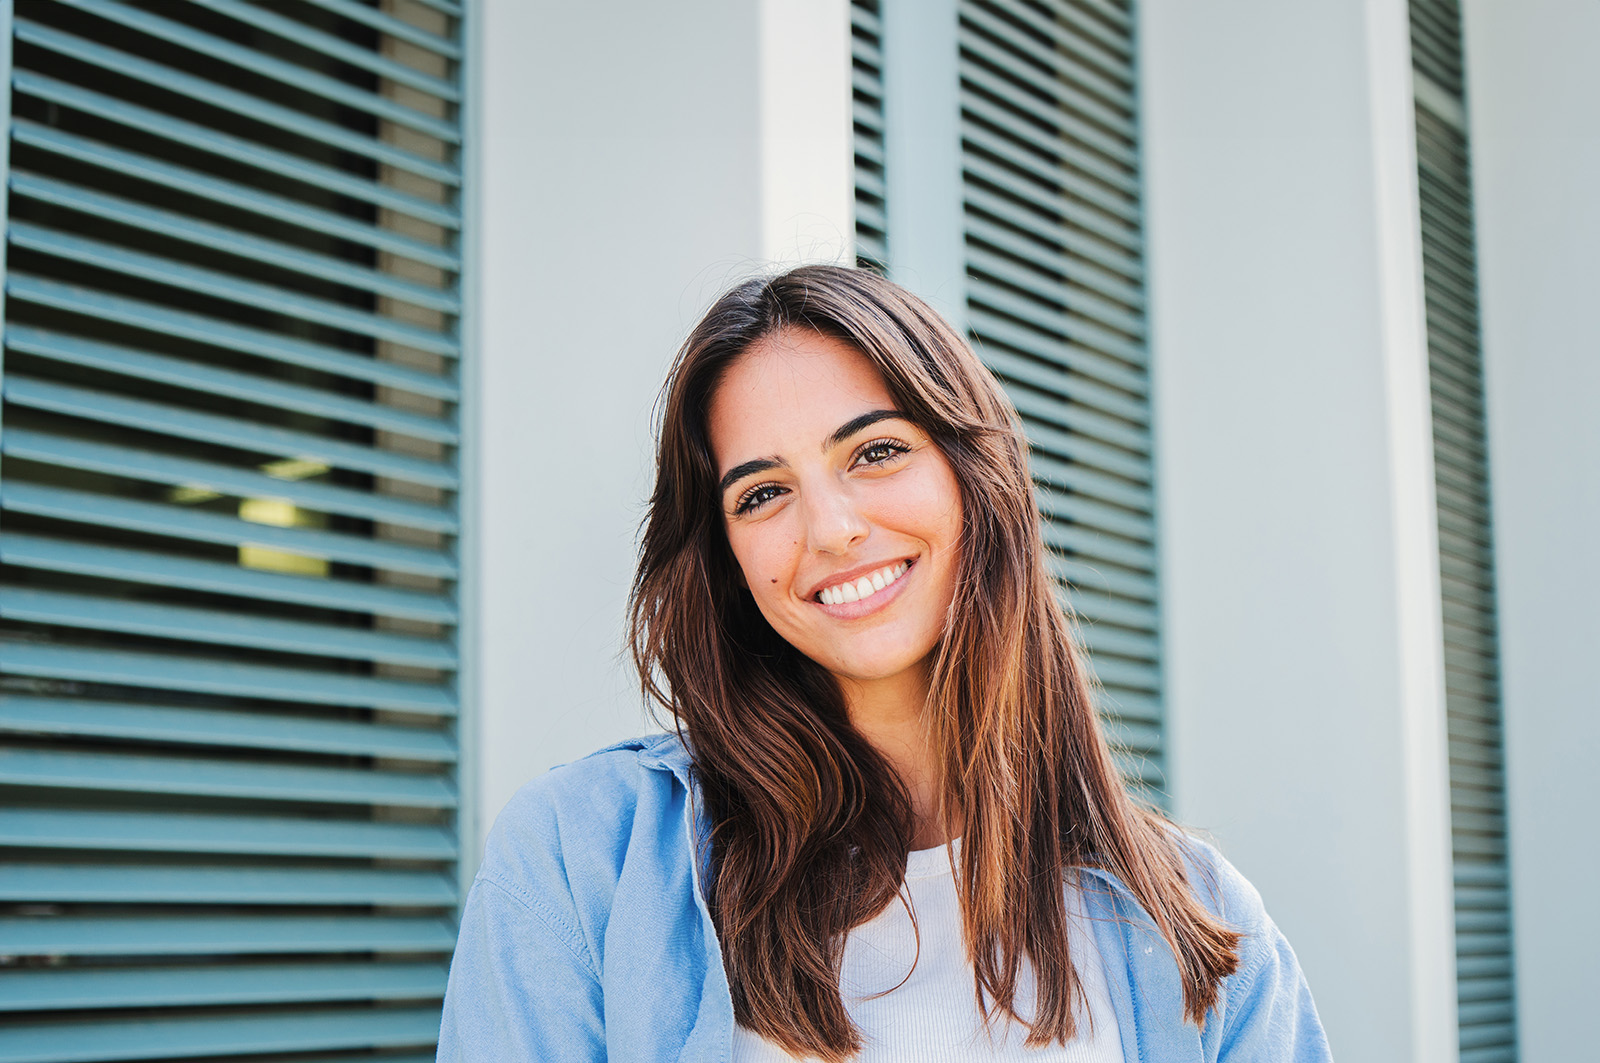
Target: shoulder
x: 1218, y: 885
x: 1264, y: 1010
x: 570, y: 828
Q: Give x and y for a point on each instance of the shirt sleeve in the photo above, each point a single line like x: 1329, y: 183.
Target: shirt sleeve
x: 1269, y: 1016
x: 523, y: 985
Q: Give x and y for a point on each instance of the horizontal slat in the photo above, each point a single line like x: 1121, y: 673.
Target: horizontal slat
x: 1035, y: 280
x: 1061, y: 324
x: 1086, y: 480
x: 991, y: 328
x: 328, y: 44
x: 160, y: 468
x: 1051, y: 428
x: 999, y: 48
x: 291, y: 74
x: 1085, y: 36
x: 1042, y: 195
x: 232, y: 241
x: 253, y: 108
x: 391, y: 26
x: 1100, y: 609
x: 1114, y: 435
x: 168, y: 986
x: 198, y: 935
x: 213, y: 727
x: 1091, y: 546
x: 180, y: 522
x: 192, y: 1036
x: 138, y: 566
x: 107, y: 613
x: 1081, y: 260
x: 1057, y: 377
x: 211, y: 380
x: 1129, y: 705
x: 172, y: 832
x: 227, y: 286
x: 216, y: 142
x: 242, y: 196
x: 1103, y: 641
x: 208, y: 884
x: 174, y: 672
x: 1075, y: 509
x: 104, y: 407
x: 1047, y: 123
x: 1106, y: 88
x: 1127, y: 734
x: 1102, y: 579
x: 225, y: 334
x: 141, y: 773
x: 1052, y: 164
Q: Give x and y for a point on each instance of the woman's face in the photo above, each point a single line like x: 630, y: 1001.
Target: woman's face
x: 844, y: 517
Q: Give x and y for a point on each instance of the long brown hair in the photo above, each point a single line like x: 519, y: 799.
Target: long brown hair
x: 810, y: 825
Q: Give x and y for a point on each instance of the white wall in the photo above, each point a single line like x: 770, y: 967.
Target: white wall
x: 1299, y: 565
x: 1533, y: 99
x: 630, y: 161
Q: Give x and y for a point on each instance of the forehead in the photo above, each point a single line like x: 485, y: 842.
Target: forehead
x: 790, y: 390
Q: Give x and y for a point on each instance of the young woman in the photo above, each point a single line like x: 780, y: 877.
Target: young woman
x: 887, y: 826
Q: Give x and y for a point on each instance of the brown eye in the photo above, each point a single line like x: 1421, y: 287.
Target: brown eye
x: 882, y: 451
x: 757, y: 497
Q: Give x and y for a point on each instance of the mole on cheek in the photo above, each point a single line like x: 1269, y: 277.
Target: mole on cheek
x: 774, y: 579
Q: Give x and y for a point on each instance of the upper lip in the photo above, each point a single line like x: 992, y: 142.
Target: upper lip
x: 850, y: 575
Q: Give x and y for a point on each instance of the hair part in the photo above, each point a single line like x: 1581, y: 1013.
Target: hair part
x: 810, y: 825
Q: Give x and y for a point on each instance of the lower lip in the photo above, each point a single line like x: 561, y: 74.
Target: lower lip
x: 867, y: 606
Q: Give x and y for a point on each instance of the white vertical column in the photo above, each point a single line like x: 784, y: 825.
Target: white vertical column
x: 631, y: 160
x: 922, y: 152
x: 807, y: 150
x: 1532, y: 86
x: 1300, y: 599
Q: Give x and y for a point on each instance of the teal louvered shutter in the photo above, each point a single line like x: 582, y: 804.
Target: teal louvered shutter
x: 1484, y: 986
x: 866, y: 79
x: 1055, y: 302
x: 229, y: 804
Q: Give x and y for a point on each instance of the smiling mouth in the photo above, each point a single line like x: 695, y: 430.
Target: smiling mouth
x: 866, y: 586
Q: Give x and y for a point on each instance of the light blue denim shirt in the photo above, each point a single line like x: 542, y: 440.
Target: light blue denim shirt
x: 586, y: 937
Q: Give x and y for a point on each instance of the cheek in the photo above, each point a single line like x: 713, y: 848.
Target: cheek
x: 926, y: 505
x: 764, y: 560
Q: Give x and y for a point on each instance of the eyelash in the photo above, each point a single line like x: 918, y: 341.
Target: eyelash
x: 747, y: 503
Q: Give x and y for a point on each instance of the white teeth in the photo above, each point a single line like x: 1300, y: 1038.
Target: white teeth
x: 865, y: 587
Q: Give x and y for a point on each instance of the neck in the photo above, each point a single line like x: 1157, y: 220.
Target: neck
x: 891, y: 714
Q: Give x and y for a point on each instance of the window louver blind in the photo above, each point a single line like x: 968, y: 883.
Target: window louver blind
x: 1477, y: 788
x: 228, y: 756
x: 866, y: 74
x: 1056, y: 305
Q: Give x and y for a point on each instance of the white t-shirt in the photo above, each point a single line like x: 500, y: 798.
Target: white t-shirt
x: 934, y: 1015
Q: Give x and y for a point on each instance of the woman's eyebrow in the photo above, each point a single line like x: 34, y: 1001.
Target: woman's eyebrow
x: 856, y: 424
x: 840, y: 434
x: 749, y: 468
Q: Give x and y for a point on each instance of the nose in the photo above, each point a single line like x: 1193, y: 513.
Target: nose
x: 834, y: 522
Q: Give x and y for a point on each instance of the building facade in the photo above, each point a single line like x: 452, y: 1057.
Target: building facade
x: 332, y: 336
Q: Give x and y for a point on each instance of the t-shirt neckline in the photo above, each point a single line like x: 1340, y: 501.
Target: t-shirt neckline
x: 931, y: 863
